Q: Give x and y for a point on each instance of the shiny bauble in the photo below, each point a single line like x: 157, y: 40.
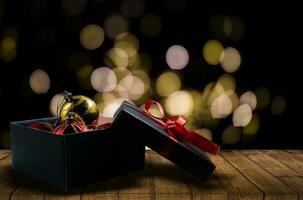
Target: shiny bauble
x: 85, y: 107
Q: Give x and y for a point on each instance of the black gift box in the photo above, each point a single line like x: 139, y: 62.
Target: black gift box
x: 153, y: 135
x: 71, y: 160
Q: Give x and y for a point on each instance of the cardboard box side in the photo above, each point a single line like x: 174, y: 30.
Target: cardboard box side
x: 37, y: 153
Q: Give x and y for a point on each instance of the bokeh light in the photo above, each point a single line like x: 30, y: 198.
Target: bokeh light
x: 230, y: 59
x: 221, y: 106
x: 54, y: 105
x: 91, y: 36
x: 112, y: 107
x: 233, y: 27
x: 179, y: 103
x: 249, y: 98
x: 83, y: 76
x: 128, y: 42
x: 167, y: 83
x: 133, y: 8
x: 103, y: 79
x: 228, y: 82
x: 150, y: 25
x: 73, y: 7
x: 212, y: 51
x: 253, y: 127
x: 134, y: 86
x: 278, y: 105
x: 263, y: 97
x: 39, y: 81
x: 205, y: 132
x: 231, y: 135
x: 177, y: 57
x: 233, y: 98
x: 116, y: 57
x: 115, y: 24
x: 8, y: 43
x: 242, y: 115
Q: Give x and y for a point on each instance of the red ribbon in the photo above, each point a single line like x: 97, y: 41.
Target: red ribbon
x: 174, y: 126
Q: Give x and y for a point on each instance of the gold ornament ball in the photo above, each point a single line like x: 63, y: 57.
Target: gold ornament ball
x: 85, y: 107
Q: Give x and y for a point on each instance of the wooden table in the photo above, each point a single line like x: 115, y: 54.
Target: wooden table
x: 244, y: 174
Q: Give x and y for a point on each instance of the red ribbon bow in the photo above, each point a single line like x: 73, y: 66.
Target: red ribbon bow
x: 174, y: 126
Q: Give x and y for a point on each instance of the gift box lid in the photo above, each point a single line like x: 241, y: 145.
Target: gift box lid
x: 153, y: 135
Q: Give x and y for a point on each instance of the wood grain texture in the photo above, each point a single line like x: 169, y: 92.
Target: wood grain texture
x: 244, y: 174
x: 293, y: 160
x: 270, y: 164
x: 272, y: 187
x: 168, y: 180
x: 235, y: 184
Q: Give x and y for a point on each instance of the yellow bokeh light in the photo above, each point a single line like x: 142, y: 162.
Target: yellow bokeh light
x: 129, y: 48
x: 230, y: 59
x: 114, y: 25
x: 278, y: 105
x: 116, y: 57
x: 197, y: 99
x: 228, y: 82
x: 91, y: 36
x: 212, y: 51
x: 263, y: 97
x: 39, y: 81
x: 134, y: 86
x: 253, y: 126
x: 144, y: 77
x: 83, y: 75
x: 233, y: 98
x: 231, y: 135
x: 249, y: 98
x: 205, y: 133
x: 179, y: 103
x: 103, y: 79
x: 128, y: 37
x: 8, y: 43
x: 167, y: 83
x: 54, y: 105
x: 221, y: 107
x: 242, y: 115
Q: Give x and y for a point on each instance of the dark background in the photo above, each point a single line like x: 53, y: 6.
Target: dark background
x: 270, y: 49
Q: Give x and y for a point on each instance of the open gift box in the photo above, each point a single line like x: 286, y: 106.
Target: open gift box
x: 71, y: 160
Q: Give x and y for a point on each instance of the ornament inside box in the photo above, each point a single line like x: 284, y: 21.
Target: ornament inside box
x: 76, y: 148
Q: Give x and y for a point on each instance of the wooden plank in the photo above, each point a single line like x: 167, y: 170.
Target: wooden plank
x: 296, y: 183
x: 272, y: 187
x: 234, y: 183
x: 292, y: 160
x: 168, y: 180
x: 138, y: 185
x: 211, y: 189
x: 51, y: 193
x: 107, y: 189
x: 270, y: 164
x: 9, y: 179
x: 30, y: 189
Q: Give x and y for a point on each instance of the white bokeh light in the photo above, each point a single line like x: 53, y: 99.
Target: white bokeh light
x: 103, y: 79
x: 177, y: 57
x: 39, y: 81
x: 249, y: 98
x: 242, y: 116
x: 179, y: 103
